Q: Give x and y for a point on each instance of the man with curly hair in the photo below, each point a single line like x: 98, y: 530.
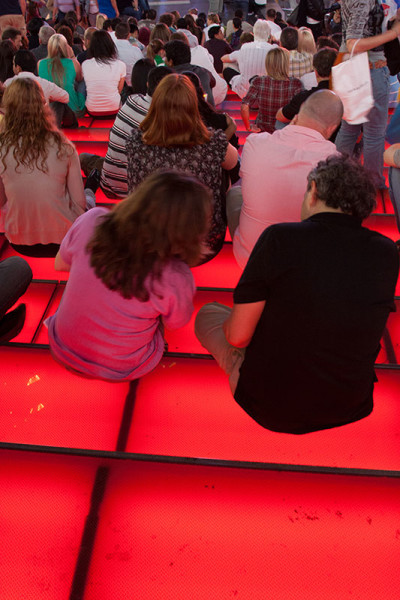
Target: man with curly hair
x: 300, y: 342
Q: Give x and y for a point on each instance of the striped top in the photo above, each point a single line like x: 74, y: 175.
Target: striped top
x: 114, y: 172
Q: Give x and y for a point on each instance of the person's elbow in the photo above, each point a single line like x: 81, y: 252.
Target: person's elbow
x: 388, y: 156
x: 60, y: 264
x: 231, y: 158
x: 236, y: 338
x: 281, y: 117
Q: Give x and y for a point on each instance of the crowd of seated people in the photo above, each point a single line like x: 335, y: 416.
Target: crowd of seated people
x: 172, y: 164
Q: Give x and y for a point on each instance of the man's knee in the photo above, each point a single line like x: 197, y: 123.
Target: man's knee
x: 209, y: 317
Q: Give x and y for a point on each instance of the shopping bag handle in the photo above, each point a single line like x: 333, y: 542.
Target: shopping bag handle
x: 354, y: 47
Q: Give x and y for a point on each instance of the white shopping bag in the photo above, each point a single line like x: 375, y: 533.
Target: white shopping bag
x: 351, y: 81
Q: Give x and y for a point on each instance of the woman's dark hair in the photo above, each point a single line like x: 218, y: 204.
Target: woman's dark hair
x: 201, y: 23
x: 34, y: 25
x: 7, y: 51
x: 66, y: 23
x: 167, y: 18
x: 166, y: 217
x: 140, y: 72
x: 107, y: 24
x: 72, y: 16
x: 206, y: 110
x: 150, y: 14
x: 102, y: 47
x: 341, y: 182
x: 325, y: 42
x: 67, y: 33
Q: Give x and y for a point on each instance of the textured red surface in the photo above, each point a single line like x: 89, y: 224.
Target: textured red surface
x: 184, y: 408
x: 182, y: 532
x: 172, y: 532
x: 43, y: 403
x: 44, y: 501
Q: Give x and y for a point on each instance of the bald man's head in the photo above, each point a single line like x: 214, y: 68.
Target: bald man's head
x: 323, y: 111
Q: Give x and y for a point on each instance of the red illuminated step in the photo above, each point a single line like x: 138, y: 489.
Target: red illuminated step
x: 91, y: 134
x: 42, y: 268
x: 385, y: 224
x: 94, y: 147
x: 42, y: 299
x: 179, y: 532
x: 44, y: 503
x: 214, y: 532
x: 184, y: 408
x: 222, y: 271
x: 43, y: 403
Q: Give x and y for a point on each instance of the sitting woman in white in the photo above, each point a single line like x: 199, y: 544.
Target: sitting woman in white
x: 104, y: 76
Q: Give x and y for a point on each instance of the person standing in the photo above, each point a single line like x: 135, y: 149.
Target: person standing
x: 362, y: 25
x: 61, y: 7
x: 12, y: 14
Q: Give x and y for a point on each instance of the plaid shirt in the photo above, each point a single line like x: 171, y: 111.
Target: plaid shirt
x: 270, y: 95
x: 300, y: 63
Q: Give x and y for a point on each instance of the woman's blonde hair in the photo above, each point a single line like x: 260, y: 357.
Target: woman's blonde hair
x: 173, y: 118
x: 166, y: 217
x: 100, y: 20
x: 306, y: 41
x: 57, y: 48
x: 28, y: 126
x: 160, y: 32
x: 154, y: 47
x: 277, y: 63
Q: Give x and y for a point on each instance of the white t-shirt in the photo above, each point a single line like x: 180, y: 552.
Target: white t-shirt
x: 275, y: 30
x: 102, y: 81
x: 129, y: 55
x: 251, y: 61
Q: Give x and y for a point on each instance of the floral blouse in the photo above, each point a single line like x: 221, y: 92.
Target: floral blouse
x: 203, y: 161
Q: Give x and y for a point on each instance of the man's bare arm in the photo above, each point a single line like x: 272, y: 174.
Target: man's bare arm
x: 242, y: 322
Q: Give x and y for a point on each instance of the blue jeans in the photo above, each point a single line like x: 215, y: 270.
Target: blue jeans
x: 129, y: 11
x: 373, y: 131
x: 394, y: 191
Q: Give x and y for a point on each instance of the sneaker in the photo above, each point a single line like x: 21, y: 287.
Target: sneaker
x: 12, y: 323
x: 93, y: 180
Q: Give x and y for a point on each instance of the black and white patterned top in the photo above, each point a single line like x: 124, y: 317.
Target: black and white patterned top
x: 202, y: 161
x: 361, y: 19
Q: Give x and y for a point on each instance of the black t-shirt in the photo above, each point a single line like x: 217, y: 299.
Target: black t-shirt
x: 218, y: 48
x: 329, y: 285
x: 292, y: 108
x: 10, y: 7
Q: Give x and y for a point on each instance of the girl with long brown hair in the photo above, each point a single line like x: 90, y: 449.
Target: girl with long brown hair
x: 41, y: 188
x: 129, y: 277
x: 173, y: 135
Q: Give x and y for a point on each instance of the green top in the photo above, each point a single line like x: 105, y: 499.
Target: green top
x: 76, y: 100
